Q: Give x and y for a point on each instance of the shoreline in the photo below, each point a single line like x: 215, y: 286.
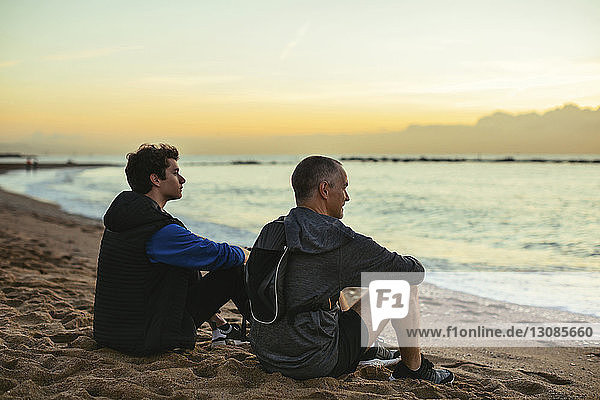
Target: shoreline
x: 47, y: 278
x: 543, y: 313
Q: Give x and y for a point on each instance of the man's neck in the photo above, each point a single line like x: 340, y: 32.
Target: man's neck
x: 157, y: 198
x: 319, y: 209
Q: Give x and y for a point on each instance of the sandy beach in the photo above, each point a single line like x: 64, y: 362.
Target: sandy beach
x: 47, y: 280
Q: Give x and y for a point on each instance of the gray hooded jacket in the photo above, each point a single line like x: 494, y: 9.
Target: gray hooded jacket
x: 326, y: 257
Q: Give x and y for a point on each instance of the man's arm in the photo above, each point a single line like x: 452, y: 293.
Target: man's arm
x: 175, y: 245
x: 363, y: 254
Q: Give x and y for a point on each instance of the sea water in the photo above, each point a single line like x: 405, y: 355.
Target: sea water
x: 539, y: 218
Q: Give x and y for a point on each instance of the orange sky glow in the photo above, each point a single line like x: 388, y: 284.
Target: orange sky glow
x: 145, y: 71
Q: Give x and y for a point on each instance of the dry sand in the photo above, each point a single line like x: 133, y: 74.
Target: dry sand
x: 47, y: 279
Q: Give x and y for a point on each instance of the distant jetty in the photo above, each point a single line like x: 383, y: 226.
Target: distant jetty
x: 12, y: 155
x: 12, y: 166
x: 31, y: 163
x: 35, y: 166
x: 478, y: 159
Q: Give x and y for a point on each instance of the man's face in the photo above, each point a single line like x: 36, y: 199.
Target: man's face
x: 338, y: 196
x: 170, y: 188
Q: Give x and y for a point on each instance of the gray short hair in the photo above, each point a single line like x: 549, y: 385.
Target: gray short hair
x: 310, y: 172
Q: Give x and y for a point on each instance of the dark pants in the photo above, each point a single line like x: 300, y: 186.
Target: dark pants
x: 208, y: 293
x: 349, y: 350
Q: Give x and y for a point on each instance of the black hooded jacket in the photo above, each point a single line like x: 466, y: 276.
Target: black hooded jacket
x: 139, y: 306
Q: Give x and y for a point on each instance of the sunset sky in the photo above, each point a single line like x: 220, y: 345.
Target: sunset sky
x: 159, y: 70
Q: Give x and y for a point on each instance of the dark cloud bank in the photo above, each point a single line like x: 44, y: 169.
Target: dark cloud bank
x: 568, y: 129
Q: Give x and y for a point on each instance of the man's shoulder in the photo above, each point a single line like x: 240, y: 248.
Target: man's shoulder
x: 272, y: 232
x: 274, y: 224
x: 172, y: 229
x: 130, y: 210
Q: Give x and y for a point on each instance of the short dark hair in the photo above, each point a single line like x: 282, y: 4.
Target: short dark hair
x: 310, y: 172
x: 148, y: 159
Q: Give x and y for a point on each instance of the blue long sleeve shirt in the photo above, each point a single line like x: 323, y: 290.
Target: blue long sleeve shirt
x: 175, y: 245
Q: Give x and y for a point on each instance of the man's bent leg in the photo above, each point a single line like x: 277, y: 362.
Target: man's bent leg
x: 411, y: 356
x: 215, y: 321
x: 210, y: 292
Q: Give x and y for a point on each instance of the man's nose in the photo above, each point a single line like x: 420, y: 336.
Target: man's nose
x: 347, y: 197
x: 181, y: 179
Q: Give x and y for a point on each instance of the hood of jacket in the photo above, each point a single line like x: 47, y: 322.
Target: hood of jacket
x: 314, y: 233
x: 130, y: 210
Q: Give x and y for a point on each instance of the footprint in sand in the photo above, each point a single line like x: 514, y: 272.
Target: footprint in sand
x: 556, y: 380
x: 525, y: 386
x: 64, y: 337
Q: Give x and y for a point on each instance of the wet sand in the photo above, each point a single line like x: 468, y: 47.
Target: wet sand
x: 47, y: 280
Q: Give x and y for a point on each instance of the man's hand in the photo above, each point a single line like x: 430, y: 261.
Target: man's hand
x: 246, y: 254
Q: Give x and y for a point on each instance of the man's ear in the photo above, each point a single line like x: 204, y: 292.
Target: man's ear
x: 324, y: 189
x: 154, y: 180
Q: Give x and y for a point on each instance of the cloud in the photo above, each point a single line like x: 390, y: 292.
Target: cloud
x: 567, y: 129
x: 300, y: 33
x: 4, y: 64
x: 92, y: 53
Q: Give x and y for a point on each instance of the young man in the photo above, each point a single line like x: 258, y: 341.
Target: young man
x: 314, y: 337
x: 150, y: 294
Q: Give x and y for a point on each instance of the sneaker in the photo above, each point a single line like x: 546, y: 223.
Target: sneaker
x: 425, y: 372
x: 234, y: 336
x: 378, y: 354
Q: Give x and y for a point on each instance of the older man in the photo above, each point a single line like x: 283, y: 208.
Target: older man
x: 314, y: 337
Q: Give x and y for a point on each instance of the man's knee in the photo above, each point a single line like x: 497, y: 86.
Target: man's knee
x: 233, y: 274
